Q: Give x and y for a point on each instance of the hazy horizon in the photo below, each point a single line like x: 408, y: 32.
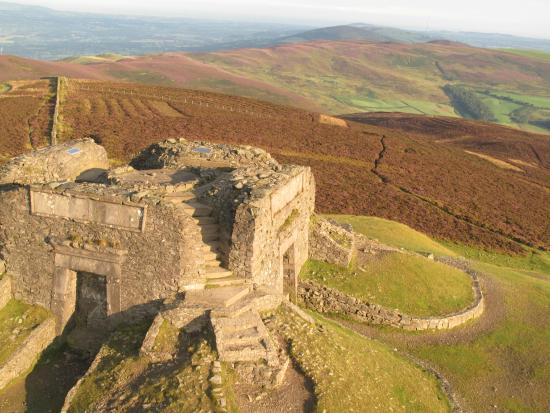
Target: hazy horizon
x: 528, y: 20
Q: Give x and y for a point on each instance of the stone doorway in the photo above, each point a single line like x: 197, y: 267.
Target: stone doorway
x: 290, y: 277
x: 91, y: 301
x: 86, y: 287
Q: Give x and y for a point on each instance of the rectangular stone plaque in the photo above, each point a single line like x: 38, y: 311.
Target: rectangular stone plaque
x: 127, y: 217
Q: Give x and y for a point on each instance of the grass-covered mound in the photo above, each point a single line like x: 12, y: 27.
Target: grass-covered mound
x: 354, y: 374
x: 393, y: 233
x: 415, y: 285
x: 17, y: 320
x: 400, y: 235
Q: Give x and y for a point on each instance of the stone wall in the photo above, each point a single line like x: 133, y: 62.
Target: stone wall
x: 328, y: 300
x: 26, y: 355
x: 65, y: 162
x: 330, y: 243
x: 262, y: 213
x: 155, y: 260
x: 272, y: 222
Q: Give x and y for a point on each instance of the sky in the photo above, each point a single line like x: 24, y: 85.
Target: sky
x: 526, y: 17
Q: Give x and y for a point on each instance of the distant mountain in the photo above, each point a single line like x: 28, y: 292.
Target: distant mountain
x: 373, y: 33
x: 359, y: 32
x: 42, y: 33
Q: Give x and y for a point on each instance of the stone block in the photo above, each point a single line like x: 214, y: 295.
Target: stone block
x: 65, y: 162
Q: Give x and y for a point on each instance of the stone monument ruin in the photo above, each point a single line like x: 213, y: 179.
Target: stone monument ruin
x: 191, y: 233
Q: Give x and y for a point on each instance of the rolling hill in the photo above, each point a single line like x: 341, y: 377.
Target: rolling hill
x: 438, y: 188
x: 435, y: 78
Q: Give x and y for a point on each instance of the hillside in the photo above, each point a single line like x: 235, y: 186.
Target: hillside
x: 435, y: 78
x: 361, y: 170
x: 359, y: 76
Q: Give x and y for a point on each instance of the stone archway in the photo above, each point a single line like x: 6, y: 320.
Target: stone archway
x: 70, y: 261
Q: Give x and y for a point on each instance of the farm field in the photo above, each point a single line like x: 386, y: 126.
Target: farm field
x: 499, y: 362
x: 435, y: 188
x: 25, y: 116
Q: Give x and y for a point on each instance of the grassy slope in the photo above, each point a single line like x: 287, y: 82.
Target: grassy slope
x: 402, y: 236
x: 393, y: 233
x: 414, y: 285
x: 353, y: 374
x: 509, y: 367
x: 506, y: 366
x: 17, y: 320
x: 361, y: 76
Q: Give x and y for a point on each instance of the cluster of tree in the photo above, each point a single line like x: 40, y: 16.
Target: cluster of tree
x: 468, y: 104
x: 523, y: 114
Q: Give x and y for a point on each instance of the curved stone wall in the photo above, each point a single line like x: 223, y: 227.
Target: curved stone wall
x: 329, y: 300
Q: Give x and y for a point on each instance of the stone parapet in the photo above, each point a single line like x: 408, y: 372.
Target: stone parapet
x: 26, y: 355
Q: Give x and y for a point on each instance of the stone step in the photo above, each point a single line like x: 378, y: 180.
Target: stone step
x: 213, y: 236
x: 241, y: 307
x: 196, y: 209
x: 212, y: 246
x: 179, y: 197
x: 217, y: 297
x: 224, y: 326
x: 217, y: 273
x: 205, y: 220
x: 224, y: 282
x: 210, y: 256
x: 249, y: 352
x: 249, y: 336
x: 209, y: 228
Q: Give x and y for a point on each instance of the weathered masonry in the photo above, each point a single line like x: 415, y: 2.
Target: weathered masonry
x: 99, y: 246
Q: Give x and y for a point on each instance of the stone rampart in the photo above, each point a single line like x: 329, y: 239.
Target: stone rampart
x: 328, y: 300
x: 330, y: 243
x: 26, y: 355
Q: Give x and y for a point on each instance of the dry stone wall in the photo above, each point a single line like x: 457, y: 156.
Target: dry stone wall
x: 328, y: 300
x: 330, y: 243
x: 25, y: 356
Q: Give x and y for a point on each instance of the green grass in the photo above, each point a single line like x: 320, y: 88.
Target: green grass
x: 354, y: 374
x: 414, y: 285
x: 508, y: 367
x: 5, y: 87
x: 393, y: 233
x: 536, y: 54
x: 533, y: 260
x: 17, y: 320
x: 399, y: 235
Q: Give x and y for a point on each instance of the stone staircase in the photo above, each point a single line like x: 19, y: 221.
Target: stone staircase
x: 243, y: 337
x: 215, y: 274
x: 232, y: 306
